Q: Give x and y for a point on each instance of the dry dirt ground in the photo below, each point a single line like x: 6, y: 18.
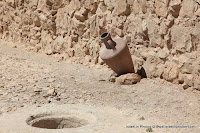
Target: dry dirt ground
x: 30, y: 79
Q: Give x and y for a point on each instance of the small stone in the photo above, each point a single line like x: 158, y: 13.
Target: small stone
x: 88, y: 58
x: 57, y: 85
x: 112, y: 79
x: 81, y: 100
x: 14, y: 46
x: 57, y: 98
x: 45, y: 95
x: 128, y: 79
x: 100, y: 61
x: 98, y: 67
x: 114, y: 74
x: 185, y: 86
x: 162, y: 54
x: 52, y: 92
x: 49, y: 52
x: 38, y: 105
x: 51, y: 80
x: 37, y: 90
x: 49, y: 101
x: 141, y: 118
x: 102, y: 80
x: 79, y: 16
x: 161, y: 81
x: 20, y: 105
x: 46, y: 88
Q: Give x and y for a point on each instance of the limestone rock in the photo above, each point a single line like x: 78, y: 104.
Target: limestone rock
x: 188, y: 78
x: 153, y: 65
x: 136, y: 7
x: 181, y: 38
x: 175, y: 7
x: 197, y: 82
x: 42, y: 6
x: 81, y: 15
x: 52, y: 92
x: 112, y: 78
x: 162, y: 54
x: 37, y: 21
x: 171, y: 71
x: 187, y: 9
x: 70, y: 52
x: 100, y: 61
x: 161, y: 7
x: 88, y: 58
x: 122, y: 8
x: 185, y: 86
x: 128, y: 79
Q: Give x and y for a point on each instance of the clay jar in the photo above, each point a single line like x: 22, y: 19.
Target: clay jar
x: 116, y: 55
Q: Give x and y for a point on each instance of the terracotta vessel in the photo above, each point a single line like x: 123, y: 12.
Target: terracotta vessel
x: 116, y: 55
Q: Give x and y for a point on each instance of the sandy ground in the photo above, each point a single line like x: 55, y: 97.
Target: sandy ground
x: 30, y: 79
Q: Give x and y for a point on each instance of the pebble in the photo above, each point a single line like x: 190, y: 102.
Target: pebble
x: 82, y: 100
x: 57, y: 85
x: 20, y: 105
x: 46, y: 88
x: 58, y: 98
x: 141, y: 118
x: 112, y: 79
x: 51, y: 80
x: 185, y: 86
x: 52, y: 92
x: 37, y: 90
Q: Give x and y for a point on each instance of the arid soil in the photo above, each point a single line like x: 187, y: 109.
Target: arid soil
x: 32, y: 79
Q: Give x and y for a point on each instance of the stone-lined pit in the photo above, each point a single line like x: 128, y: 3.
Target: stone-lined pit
x: 55, y: 122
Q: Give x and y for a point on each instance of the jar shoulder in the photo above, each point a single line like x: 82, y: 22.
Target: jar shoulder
x: 110, y: 53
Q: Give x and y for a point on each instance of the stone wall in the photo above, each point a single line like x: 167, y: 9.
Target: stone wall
x: 163, y: 35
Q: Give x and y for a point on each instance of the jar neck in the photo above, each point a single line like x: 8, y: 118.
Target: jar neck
x: 108, y: 41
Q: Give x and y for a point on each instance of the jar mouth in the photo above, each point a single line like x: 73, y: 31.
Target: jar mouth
x: 104, y: 35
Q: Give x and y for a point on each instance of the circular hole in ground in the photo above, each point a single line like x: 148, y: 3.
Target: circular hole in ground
x: 56, y: 122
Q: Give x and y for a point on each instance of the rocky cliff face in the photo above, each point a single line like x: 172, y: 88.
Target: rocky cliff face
x: 163, y: 35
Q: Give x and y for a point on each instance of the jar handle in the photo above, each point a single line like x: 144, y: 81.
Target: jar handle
x: 112, y: 44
